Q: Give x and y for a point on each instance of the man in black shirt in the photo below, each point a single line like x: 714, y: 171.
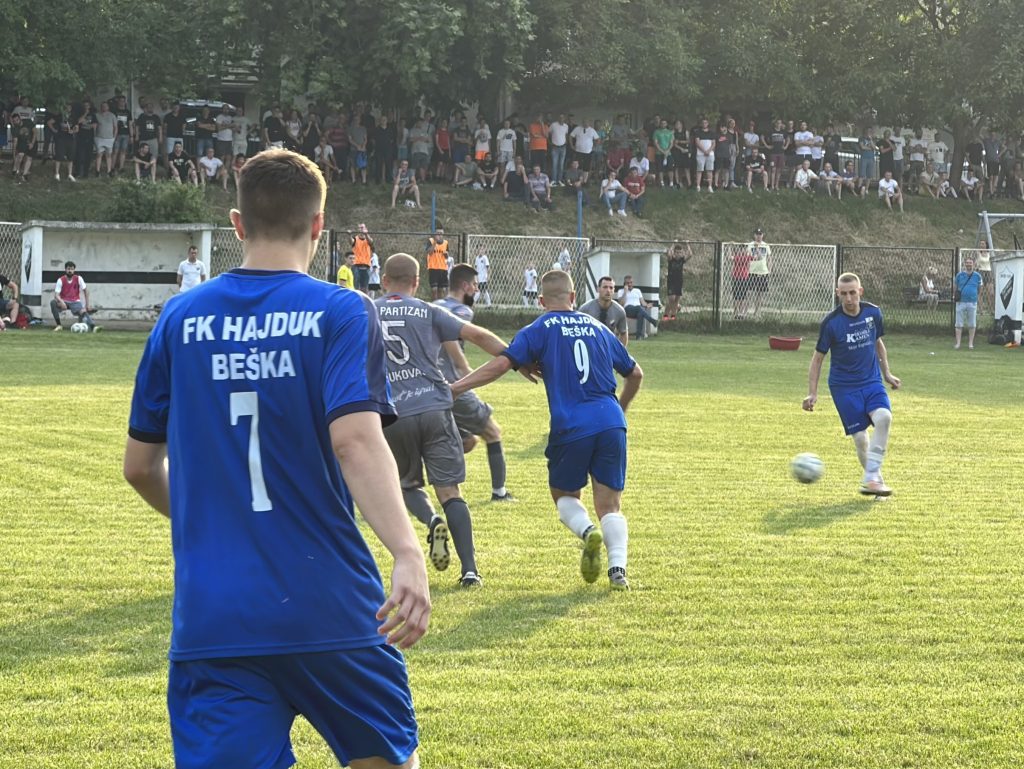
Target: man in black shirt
x: 384, y: 151
x: 149, y: 130
x: 174, y: 128
x: 24, y: 133
x: 85, y: 141
x: 676, y: 259
x: 180, y: 167
x: 145, y: 163
x: 125, y: 131
x: 274, y: 132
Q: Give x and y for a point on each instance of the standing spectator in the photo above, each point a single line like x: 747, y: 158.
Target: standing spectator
x: 681, y: 156
x: 540, y: 189
x: 734, y: 151
x: 357, y: 137
x: 150, y: 130
x: 106, y: 133
x: 205, y: 128
x: 274, y: 131
x: 462, y: 142
x: 482, y: 264
x: 664, y: 164
x: 968, y: 285
x: 174, y: 129
x: 975, y: 151
x: 675, y: 261
x: 405, y: 186
x: 833, y: 143
x: 72, y: 295
x: 618, y: 144
x: 125, y: 138
x: 362, y: 251
x: 191, y: 272
x: 323, y: 156
x: 636, y: 307
x: 804, y: 140
x: 86, y: 141
x: 756, y: 164
x: 345, y: 277
x: 8, y: 307
x: 558, y: 133
x: 420, y: 146
x: 600, y: 151
x: 897, y: 155
x: 889, y: 190
x: 337, y: 137
x: 723, y: 153
x: 791, y: 156
x: 1007, y: 159
x: 918, y: 157
x: 614, y: 194
x: 64, y: 131
x: 926, y: 291
x: 516, y: 188
x: 293, y: 130
x: 760, y: 269
x: 212, y: 169
x: 530, y: 286
x: 866, y: 147
x: 312, y: 129
x: 751, y: 139
x: 983, y: 264
x: 538, y: 154
x: 246, y: 135
x: 506, y: 140
x: 24, y: 133
x: 779, y: 143
x: 740, y: 258
x: 704, y: 141
x: 225, y: 135
x: 481, y: 139
x: 636, y: 186
x: 180, y: 167
x: 805, y: 177
x: 437, y: 264
x: 583, y: 138
x: 143, y: 160
x: 383, y: 151
x: 885, y: 154
x: 443, y: 152
x: 608, y: 311
x: 817, y: 150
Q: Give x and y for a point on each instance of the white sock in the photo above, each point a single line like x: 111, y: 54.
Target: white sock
x: 616, y: 539
x: 500, y: 492
x: 860, y: 442
x: 574, y: 515
x: 882, y: 419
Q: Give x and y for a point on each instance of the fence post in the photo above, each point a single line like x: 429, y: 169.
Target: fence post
x: 716, y: 289
x: 433, y: 212
x: 464, y: 247
x: 579, y: 213
x: 954, y: 268
x: 840, y: 268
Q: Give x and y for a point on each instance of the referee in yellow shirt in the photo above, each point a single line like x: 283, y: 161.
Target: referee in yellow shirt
x: 345, y: 277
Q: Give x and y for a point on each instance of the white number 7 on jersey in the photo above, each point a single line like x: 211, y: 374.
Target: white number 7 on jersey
x: 247, y: 404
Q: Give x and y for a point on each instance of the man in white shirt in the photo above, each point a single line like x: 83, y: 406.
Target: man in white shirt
x: 583, y: 137
x: 918, y: 156
x: 506, y: 145
x: 530, y: 286
x: 482, y: 263
x: 804, y: 177
x: 225, y: 135
x: 323, y: 156
x: 889, y: 191
x: 897, y: 154
x: 632, y: 300
x: 482, y: 139
x: 191, y: 272
x: 971, y: 187
x: 817, y: 150
x: 213, y: 169
x: 613, y: 193
x: 558, y: 134
x: 803, y: 139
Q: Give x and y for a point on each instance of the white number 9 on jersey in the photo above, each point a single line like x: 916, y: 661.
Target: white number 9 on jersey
x: 582, y: 356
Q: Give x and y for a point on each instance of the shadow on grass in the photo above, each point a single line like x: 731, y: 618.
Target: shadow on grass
x: 128, y: 638
x: 513, y: 621
x: 797, y: 516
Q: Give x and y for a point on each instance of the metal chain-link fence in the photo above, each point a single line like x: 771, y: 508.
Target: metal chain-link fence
x: 387, y: 243
x: 897, y: 280
x: 784, y: 285
x: 226, y: 254
x: 511, y: 256
x: 697, y: 302
x: 10, y: 251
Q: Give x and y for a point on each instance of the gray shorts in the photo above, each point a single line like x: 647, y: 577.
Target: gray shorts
x: 966, y: 314
x: 430, y: 439
x: 471, y: 414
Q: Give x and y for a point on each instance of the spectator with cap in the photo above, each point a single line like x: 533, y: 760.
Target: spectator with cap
x: 759, y: 270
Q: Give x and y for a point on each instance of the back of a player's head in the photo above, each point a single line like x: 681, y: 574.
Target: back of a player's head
x: 556, y: 285
x: 401, y: 270
x: 279, y: 194
x: 850, y: 277
x: 461, y: 275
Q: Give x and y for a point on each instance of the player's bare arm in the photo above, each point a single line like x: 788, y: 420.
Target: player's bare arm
x: 813, y: 375
x: 371, y: 475
x: 457, y: 357
x: 883, y: 363
x: 630, y: 387
x: 491, y: 371
x: 145, y: 471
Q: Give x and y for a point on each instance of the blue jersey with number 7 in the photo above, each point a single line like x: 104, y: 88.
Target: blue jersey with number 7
x: 578, y: 356
x: 242, y: 377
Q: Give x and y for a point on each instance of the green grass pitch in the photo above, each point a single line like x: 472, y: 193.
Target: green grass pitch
x: 771, y: 624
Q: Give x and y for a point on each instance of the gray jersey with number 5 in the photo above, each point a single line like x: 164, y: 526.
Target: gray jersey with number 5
x: 413, y: 332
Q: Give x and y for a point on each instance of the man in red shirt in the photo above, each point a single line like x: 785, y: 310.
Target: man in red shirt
x: 70, y: 293
x: 635, y: 189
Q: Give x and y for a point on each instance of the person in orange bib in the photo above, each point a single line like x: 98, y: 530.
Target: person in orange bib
x: 437, y: 264
x: 362, y: 247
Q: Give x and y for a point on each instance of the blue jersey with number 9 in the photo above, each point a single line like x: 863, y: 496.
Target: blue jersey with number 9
x: 578, y: 356
x: 242, y: 377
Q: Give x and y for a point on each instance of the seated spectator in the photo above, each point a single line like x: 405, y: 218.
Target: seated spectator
x: 70, y: 294
x: 614, y: 194
x: 323, y: 156
x: 849, y: 181
x: 636, y: 187
x: 540, y: 189
x: 926, y: 291
x: 487, y: 172
x: 466, y: 172
x: 945, y: 189
x: 971, y: 186
x: 509, y: 167
x: 636, y: 306
x: 180, y: 167
x: 575, y: 180
x: 641, y: 164
x: 8, y: 307
x: 889, y: 190
x: 405, y: 185
x: 928, y: 182
x: 213, y: 169
x: 830, y: 181
x: 515, y: 186
x: 805, y: 177
x: 757, y: 165
x: 144, y: 162
x: 236, y: 167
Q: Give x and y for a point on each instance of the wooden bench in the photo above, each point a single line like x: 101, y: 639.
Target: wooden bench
x: 912, y: 295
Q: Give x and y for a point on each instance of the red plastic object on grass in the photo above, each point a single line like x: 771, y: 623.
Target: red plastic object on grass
x: 784, y: 342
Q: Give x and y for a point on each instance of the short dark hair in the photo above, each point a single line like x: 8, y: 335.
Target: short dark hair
x: 279, y: 193
x: 69, y: 263
x: 602, y: 279
x: 461, y: 273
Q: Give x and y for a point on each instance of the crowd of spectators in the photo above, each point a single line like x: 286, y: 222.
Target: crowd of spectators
x: 526, y: 159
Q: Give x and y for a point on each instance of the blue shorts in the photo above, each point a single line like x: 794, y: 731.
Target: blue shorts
x: 602, y: 456
x: 855, y: 406
x: 238, y: 712
x: 360, y: 160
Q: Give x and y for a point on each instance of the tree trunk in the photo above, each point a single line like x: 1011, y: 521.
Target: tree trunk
x: 963, y: 131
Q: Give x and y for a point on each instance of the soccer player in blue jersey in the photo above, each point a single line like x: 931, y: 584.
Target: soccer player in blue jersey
x: 266, y: 390
x: 578, y: 357
x: 853, y: 334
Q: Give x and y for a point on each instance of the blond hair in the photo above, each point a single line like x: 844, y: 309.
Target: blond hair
x: 556, y: 285
x: 849, y: 277
x: 401, y: 268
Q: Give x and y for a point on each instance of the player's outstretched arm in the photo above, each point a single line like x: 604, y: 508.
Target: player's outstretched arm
x: 883, y: 364
x: 631, y: 387
x: 482, y: 338
x: 492, y: 370
x: 372, y: 477
x: 145, y: 471
x: 813, y: 375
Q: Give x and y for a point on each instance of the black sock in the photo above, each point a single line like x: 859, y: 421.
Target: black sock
x: 418, y: 503
x: 496, y: 460
x: 456, y: 511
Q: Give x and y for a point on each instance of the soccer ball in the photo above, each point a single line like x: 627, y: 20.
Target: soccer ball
x: 79, y: 328
x: 807, y: 468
